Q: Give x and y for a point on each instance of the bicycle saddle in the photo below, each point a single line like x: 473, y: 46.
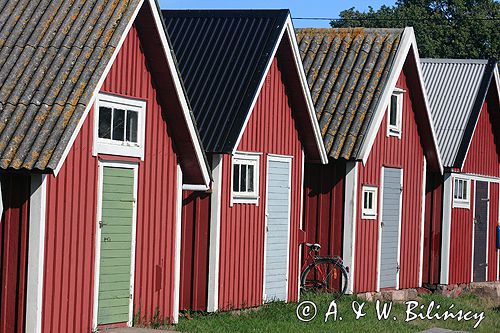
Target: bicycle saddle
x: 314, y: 247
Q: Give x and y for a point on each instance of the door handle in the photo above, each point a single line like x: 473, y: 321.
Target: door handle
x: 102, y: 224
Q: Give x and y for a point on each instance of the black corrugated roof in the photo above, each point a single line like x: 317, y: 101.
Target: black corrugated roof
x: 52, y: 55
x: 347, y: 70
x: 222, y: 56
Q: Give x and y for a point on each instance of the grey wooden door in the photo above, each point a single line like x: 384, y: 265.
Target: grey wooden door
x: 480, y: 231
x: 390, y: 224
x: 277, y: 229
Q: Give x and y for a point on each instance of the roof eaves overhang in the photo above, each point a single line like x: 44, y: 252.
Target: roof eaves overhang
x: 408, y: 41
x: 180, y: 92
x: 307, y: 92
x: 289, y: 30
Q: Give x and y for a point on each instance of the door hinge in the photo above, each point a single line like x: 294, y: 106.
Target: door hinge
x: 398, y: 268
x: 130, y: 296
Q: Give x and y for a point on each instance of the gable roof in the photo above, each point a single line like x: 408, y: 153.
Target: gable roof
x: 347, y: 71
x: 224, y: 56
x: 457, y: 89
x: 352, y: 73
x: 54, y: 57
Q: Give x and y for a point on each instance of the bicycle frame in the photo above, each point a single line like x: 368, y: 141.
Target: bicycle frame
x: 311, y: 258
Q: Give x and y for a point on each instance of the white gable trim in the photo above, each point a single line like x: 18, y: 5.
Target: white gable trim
x: 288, y: 28
x: 175, y: 76
x: 497, y: 80
x: 36, y: 253
x: 407, y: 41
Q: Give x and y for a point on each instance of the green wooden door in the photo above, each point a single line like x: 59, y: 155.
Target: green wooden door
x: 116, y: 245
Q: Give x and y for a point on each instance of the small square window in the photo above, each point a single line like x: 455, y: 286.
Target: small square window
x: 245, y: 179
x: 461, y: 190
x: 395, y: 112
x: 119, y: 126
x: 369, y: 203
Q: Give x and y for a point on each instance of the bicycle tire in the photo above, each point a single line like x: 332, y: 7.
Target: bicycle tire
x: 323, y: 286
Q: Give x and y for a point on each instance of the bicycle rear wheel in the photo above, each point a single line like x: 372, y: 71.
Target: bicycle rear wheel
x: 325, y: 275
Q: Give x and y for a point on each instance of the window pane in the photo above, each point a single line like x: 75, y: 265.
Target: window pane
x: 118, y: 124
x: 243, y: 174
x: 365, y: 200
x: 236, y: 178
x: 104, y: 123
x: 250, y: 178
x: 464, y: 193
x: 455, y: 189
x: 393, y: 116
x: 370, y: 200
x: 132, y: 118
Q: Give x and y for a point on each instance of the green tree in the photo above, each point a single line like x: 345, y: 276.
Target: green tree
x: 444, y: 28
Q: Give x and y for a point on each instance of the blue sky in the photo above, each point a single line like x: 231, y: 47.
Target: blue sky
x: 298, y: 8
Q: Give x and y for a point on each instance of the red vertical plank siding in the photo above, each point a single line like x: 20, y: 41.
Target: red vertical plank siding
x: 270, y: 130
x: 483, y: 157
x: 461, y: 242
x: 406, y: 153
x: 194, y: 250
x: 324, y: 205
x: 14, y: 228
x: 71, y: 212
x: 432, y: 229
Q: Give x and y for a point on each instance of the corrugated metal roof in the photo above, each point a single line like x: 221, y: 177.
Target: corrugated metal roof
x: 222, y: 56
x: 347, y: 70
x: 452, y: 87
x: 52, y: 55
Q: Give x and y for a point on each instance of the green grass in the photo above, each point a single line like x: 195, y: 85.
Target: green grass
x: 281, y: 317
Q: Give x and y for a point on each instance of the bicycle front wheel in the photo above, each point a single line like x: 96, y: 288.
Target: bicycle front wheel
x: 325, y: 275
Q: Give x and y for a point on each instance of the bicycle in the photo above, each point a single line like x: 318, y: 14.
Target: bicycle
x: 323, y: 273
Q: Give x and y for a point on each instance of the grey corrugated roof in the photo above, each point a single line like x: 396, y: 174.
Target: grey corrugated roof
x: 452, y: 87
x: 347, y: 70
x: 52, y: 55
x: 222, y: 56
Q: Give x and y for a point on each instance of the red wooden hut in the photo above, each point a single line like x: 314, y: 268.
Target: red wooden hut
x: 463, y: 206
x: 244, y: 78
x: 367, y: 204
x: 96, y: 139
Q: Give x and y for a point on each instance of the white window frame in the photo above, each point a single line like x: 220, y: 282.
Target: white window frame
x: 369, y: 213
x: 113, y: 147
x: 395, y: 130
x: 461, y: 202
x: 246, y: 197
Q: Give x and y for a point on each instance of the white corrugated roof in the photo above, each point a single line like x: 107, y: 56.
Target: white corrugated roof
x: 452, y: 86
